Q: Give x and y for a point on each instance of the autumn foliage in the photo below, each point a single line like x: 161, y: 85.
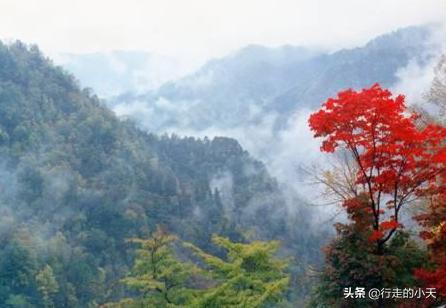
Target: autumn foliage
x: 434, y: 222
x: 396, y: 159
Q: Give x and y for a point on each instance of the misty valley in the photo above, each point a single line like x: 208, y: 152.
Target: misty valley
x: 271, y: 177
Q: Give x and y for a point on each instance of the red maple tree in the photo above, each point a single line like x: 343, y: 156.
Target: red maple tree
x: 397, y: 160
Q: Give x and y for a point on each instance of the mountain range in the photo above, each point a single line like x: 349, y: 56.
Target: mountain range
x: 257, y: 81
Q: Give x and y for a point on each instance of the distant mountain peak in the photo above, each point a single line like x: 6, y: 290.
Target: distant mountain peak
x: 407, y: 37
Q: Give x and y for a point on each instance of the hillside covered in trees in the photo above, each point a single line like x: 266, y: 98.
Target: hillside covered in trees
x: 97, y: 212
x: 77, y: 183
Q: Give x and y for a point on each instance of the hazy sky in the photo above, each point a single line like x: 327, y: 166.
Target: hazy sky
x: 205, y: 28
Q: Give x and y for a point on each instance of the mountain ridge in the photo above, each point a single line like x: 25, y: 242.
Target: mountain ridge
x: 270, y: 80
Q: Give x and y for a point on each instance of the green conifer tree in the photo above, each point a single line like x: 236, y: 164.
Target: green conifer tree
x: 158, y: 275
x: 249, y: 276
x: 47, y: 286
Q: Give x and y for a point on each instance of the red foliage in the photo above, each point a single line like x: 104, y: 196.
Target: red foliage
x: 391, y: 224
x: 434, y: 279
x: 434, y: 234
x: 396, y: 159
x: 376, y: 235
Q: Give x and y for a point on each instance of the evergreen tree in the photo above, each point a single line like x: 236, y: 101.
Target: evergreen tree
x: 158, y: 275
x: 47, y: 286
x: 249, y: 276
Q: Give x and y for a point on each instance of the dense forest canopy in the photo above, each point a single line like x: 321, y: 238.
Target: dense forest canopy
x: 77, y: 183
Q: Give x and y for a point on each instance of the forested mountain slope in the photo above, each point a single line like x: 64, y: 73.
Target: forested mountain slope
x: 76, y: 183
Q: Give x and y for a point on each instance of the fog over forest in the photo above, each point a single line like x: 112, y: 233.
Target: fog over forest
x: 173, y: 154
x: 263, y: 96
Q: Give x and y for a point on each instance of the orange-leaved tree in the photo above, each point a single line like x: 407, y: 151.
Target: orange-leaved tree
x: 396, y: 159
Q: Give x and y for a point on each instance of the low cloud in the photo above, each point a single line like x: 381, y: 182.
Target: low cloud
x: 415, y: 79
